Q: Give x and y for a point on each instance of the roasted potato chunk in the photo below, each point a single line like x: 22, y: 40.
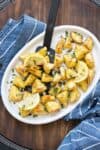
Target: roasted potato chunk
x: 68, y: 43
x: 58, y: 61
x: 34, y: 59
x: 28, y: 60
x: 46, y: 78
x: 39, y: 110
x: 74, y: 95
x: 35, y: 71
x: 89, y: 43
x: 89, y: 60
x: 19, y: 82
x: 91, y: 74
x: 14, y: 94
x: 22, y: 71
x: 47, y: 98
x: 24, y: 113
x: 83, y: 85
x: 70, y: 85
x: 63, y: 73
x: 48, y: 67
x: 47, y: 59
x: 56, y: 78
x: 76, y: 37
x: 55, y: 90
x: 38, y: 86
x: 43, y: 51
x: 52, y: 106
x: 69, y: 60
x: 29, y: 80
x: 60, y: 45
x: 63, y: 98
x: 38, y: 59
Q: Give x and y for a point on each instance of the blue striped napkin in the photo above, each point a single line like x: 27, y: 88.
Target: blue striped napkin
x: 86, y: 136
x: 14, y: 36
x: 97, y: 2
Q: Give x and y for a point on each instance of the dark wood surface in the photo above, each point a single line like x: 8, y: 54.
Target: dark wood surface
x: 75, y: 12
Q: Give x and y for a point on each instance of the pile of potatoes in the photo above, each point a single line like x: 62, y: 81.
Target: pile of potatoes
x: 58, y: 84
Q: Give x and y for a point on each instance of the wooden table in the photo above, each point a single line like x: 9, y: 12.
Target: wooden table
x: 75, y: 12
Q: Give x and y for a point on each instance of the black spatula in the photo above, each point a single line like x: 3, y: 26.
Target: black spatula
x: 49, y: 29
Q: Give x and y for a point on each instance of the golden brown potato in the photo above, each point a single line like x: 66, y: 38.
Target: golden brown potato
x: 47, y: 59
x: 38, y: 59
x: 63, y: 98
x: 74, y: 95
x: 76, y: 37
x: 39, y: 110
x: 91, y: 74
x: 28, y: 60
x: 29, y: 80
x: 38, y: 86
x: 60, y: 45
x: 83, y: 85
x: 47, y: 98
x: 89, y: 43
x: 34, y: 59
x: 14, y: 94
x: 48, y: 67
x: 19, y: 82
x: 52, y: 106
x: 35, y: 71
x: 55, y: 90
x: 70, y: 73
x: 89, y: 60
x: 70, y: 85
x: 46, y: 78
x: 68, y: 43
x: 43, y: 51
x: 22, y: 70
x: 63, y: 73
x: 69, y: 60
x: 80, y: 51
x: 56, y: 78
x: 23, y: 112
x: 58, y: 61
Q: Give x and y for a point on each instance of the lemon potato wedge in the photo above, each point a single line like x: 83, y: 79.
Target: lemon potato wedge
x: 29, y: 102
x: 82, y: 71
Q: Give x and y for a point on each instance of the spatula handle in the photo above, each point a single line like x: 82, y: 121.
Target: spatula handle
x: 51, y: 23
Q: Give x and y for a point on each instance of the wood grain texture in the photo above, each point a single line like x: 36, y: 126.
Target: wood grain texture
x: 76, y: 12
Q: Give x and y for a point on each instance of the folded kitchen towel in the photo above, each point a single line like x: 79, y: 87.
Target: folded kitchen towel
x: 14, y: 36
x: 86, y: 136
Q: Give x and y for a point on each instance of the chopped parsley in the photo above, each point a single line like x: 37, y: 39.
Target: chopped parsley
x: 12, y: 70
x: 35, y: 115
x: 73, y: 55
x: 66, y: 33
